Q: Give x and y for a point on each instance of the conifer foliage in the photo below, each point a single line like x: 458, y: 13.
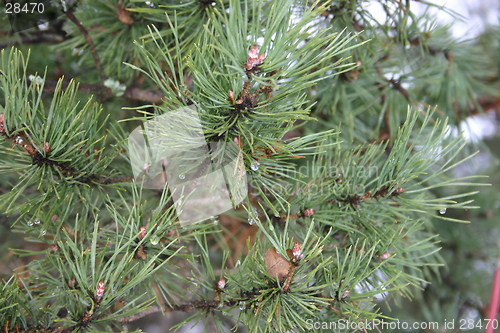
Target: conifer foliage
x: 343, y: 123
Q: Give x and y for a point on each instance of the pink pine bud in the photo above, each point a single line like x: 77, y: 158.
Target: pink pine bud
x: 309, y: 212
x: 72, y: 283
x: 399, y: 190
x: 254, y: 59
x: 345, y: 294
x: 47, y: 147
x: 99, y: 291
x: 254, y: 52
x: 385, y: 256
x: 297, y: 252
x: 54, y: 248
x: 221, y: 284
x: 2, y: 129
x: 142, y: 232
x: 231, y: 95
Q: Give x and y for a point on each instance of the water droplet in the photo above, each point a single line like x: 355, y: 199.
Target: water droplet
x: 216, y: 222
x: 238, y: 263
x: 154, y: 240
x: 36, y: 222
x: 30, y: 223
x: 243, y: 306
x: 251, y: 221
x: 254, y: 166
x: 43, y: 232
x: 442, y: 211
x: 182, y: 176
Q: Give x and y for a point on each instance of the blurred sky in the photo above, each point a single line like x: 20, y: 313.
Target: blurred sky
x: 476, y: 15
x: 473, y: 15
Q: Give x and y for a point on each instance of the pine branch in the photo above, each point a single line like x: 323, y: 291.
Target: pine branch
x: 345, y: 178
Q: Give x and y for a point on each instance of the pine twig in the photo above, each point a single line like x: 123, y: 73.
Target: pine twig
x: 397, y: 86
x: 150, y: 96
x: 93, y: 49
x: 104, y: 92
x: 116, y: 180
x: 185, y: 307
x: 139, y: 315
x: 37, y: 37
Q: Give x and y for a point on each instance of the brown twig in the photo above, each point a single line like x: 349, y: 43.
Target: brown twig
x: 185, y: 307
x: 154, y: 97
x: 91, y: 44
x: 355, y: 200
x: 104, y: 92
x: 34, y: 38
x: 487, y: 104
x: 98, y: 89
x: 397, y: 86
x: 137, y: 316
x: 116, y: 180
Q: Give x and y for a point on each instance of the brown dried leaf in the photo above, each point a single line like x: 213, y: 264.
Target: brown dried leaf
x: 277, y: 266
